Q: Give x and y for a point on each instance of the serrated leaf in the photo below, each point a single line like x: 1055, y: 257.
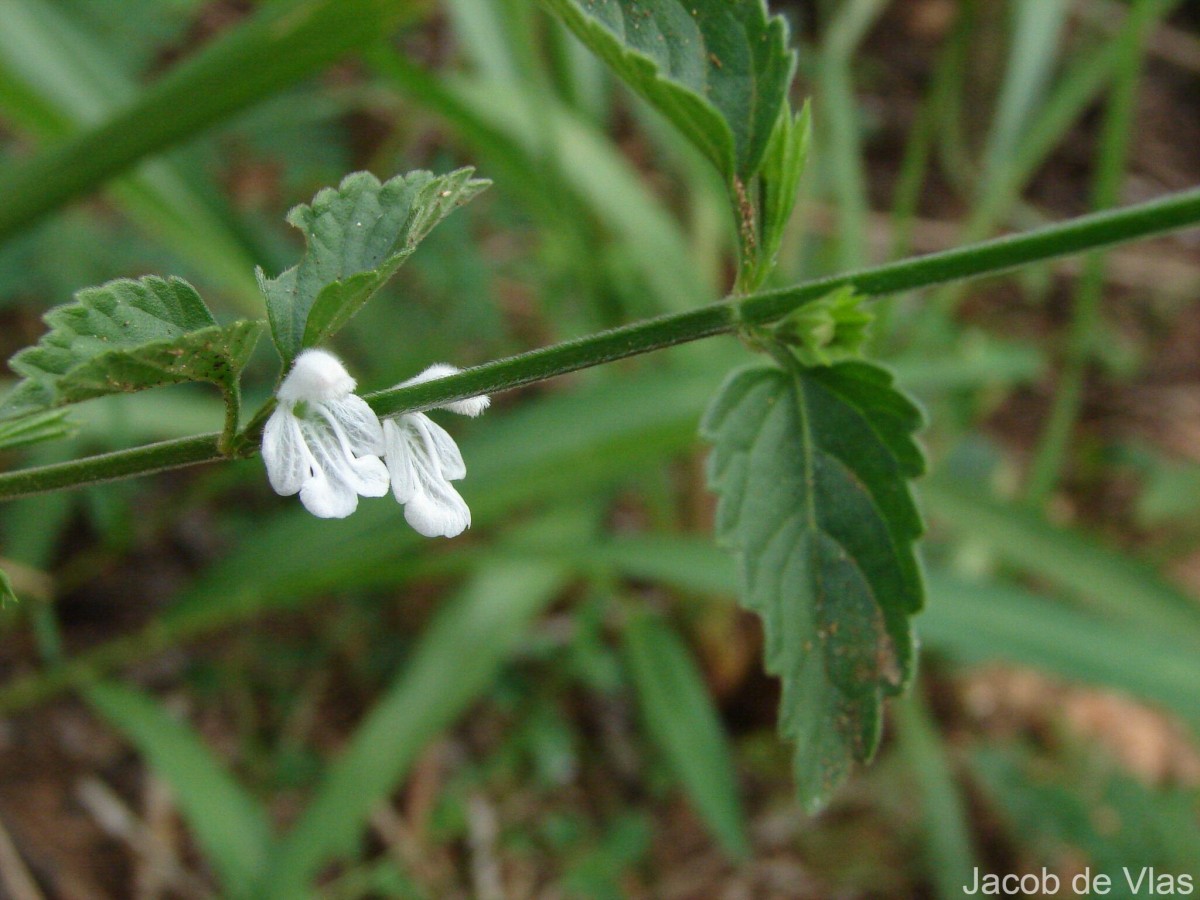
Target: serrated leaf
x: 127, y: 336
x: 357, y: 236
x: 34, y: 428
x: 718, y: 69
x: 812, y: 468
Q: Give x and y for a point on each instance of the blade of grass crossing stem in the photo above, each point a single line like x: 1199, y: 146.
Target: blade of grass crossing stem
x: 456, y: 659
x: 1033, y: 52
x: 504, y: 150
x: 1085, y: 319
x: 679, y: 715
x: 952, y: 145
x: 58, y: 80
x: 1067, y: 100
x: 840, y: 110
x: 609, y: 188
x: 1083, y: 79
x: 601, y: 180
x: 278, y: 45
x: 229, y: 825
x: 950, y: 858
x: 501, y: 38
x: 587, y: 175
x: 496, y: 35
x: 928, y: 128
x: 1120, y: 585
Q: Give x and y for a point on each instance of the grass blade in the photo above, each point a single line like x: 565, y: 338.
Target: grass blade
x: 229, y: 825
x: 282, y: 43
x: 455, y: 661
x: 1121, y: 586
x: 977, y: 622
x: 56, y: 80
x: 947, y: 832
x: 680, y: 717
x: 1036, y: 31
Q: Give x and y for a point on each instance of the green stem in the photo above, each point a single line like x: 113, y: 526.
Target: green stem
x: 1171, y: 213
x: 146, y: 460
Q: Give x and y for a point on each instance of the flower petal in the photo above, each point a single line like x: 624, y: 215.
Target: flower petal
x: 421, y: 458
x: 365, y: 475
x: 399, y: 455
x: 359, y: 422
x: 371, y: 477
x: 439, y: 446
x: 284, y: 453
x: 442, y: 515
x: 328, y: 498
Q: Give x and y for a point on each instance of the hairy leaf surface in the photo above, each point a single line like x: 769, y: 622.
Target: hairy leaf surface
x: 127, y: 336
x: 357, y: 236
x: 812, y: 468
x: 718, y: 69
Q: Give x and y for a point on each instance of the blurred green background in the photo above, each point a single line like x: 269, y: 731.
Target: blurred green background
x: 567, y: 702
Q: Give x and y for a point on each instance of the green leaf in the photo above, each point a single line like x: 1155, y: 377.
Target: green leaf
x: 718, y: 69
x: 812, y: 468
x: 34, y: 429
x: 680, y: 717
x: 357, y: 236
x: 7, y: 593
x: 231, y: 828
x: 779, y: 181
x: 126, y: 336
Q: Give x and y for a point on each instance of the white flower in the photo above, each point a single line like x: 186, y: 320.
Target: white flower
x: 322, y: 440
x: 423, y: 459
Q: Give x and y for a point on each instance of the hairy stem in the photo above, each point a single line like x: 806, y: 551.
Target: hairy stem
x: 1177, y: 211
